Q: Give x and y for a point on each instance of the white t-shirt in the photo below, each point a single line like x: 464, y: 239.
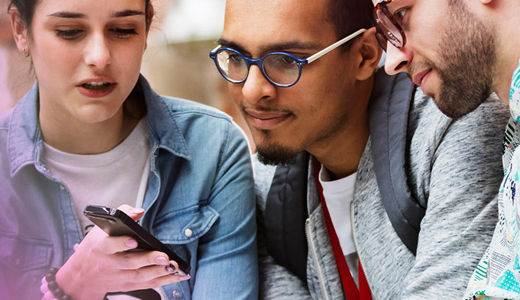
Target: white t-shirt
x: 338, y: 195
x: 113, y: 178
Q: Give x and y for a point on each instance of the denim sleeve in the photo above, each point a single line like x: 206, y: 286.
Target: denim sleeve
x: 227, y: 263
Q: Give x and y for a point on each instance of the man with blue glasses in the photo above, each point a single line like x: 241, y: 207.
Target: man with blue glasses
x: 365, y: 189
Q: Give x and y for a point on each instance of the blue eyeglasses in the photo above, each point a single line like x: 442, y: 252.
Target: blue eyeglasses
x: 279, y: 68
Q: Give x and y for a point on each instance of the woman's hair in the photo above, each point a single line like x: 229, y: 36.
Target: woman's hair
x: 26, y: 10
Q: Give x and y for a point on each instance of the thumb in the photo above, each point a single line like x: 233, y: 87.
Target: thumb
x: 132, y: 212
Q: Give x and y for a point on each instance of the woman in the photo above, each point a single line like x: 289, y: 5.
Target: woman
x: 91, y: 131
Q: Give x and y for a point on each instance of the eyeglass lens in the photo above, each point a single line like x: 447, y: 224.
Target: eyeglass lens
x: 233, y: 66
x: 388, y: 28
x: 279, y: 68
x: 381, y: 38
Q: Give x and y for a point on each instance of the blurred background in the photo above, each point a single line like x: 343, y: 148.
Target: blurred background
x: 176, y: 61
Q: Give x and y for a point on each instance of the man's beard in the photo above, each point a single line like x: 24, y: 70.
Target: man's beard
x: 469, y: 56
x: 275, y: 154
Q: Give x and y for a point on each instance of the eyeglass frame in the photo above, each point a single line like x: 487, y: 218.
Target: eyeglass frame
x: 260, y: 61
x: 382, y: 6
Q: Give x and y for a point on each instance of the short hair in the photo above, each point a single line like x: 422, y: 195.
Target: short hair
x: 348, y: 16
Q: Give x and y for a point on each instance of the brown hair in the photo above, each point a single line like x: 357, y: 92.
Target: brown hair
x: 348, y: 16
x: 26, y: 10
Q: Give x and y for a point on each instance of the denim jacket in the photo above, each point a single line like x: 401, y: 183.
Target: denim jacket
x: 199, y: 201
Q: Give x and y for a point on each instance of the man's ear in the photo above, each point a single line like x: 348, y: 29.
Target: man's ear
x: 370, y: 53
x: 20, y: 31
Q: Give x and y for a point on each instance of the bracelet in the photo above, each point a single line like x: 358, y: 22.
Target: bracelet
x: 53, y: 286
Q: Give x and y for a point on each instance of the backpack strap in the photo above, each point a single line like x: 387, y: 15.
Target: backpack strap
x: 389, y: 106
x: 285, y: 215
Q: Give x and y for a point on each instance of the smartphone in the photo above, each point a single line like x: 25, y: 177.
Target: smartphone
x: 116, y: 223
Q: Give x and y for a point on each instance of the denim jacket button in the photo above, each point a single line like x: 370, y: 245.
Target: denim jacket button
x: 188, y: 232
x: 176, y: 294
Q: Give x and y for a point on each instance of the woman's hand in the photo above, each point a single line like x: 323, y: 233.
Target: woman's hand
x: 102, y: 264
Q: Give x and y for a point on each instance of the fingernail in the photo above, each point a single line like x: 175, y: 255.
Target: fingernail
x: 160, y: 260
x: 130, y: 243
x: 136, y: 211
x: 170, y: 268
x: 185, y: 277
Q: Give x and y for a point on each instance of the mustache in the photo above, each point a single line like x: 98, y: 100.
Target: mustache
x: 266, y: 109
x: 423, y: 64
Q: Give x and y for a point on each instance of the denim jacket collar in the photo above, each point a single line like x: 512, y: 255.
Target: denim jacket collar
x: 164, y: 131
x: 25, y: 140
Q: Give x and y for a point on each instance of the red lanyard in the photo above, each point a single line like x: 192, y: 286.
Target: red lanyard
x: 349, y: 286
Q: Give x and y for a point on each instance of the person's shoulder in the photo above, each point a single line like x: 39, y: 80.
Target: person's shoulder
x: 474, y: 140
x: 491, y: 111
x: 201, y: 124
x: 189, y: 108
x: 492, y: 114
x: 486, y: 120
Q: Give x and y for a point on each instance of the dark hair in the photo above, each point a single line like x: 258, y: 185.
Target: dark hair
x: 348, y: 16
x: 26, y: 10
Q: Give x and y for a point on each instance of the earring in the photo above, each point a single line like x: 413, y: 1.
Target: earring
x: 26, y: 52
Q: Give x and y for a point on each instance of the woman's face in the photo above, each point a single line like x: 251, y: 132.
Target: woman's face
x: 87, y: 55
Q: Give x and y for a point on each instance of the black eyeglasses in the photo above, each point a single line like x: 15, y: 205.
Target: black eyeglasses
x: 387, y: 28
x: 279, y: 68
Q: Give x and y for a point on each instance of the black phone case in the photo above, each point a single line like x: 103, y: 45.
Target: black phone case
x: 116, y: 223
